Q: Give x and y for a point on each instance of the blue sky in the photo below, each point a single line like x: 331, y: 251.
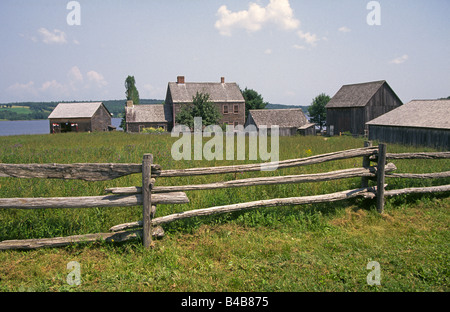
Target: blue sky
x: 288, y: 50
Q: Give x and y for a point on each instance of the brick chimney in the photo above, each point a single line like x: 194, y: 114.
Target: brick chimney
x: 222, y: 79
x: 180, y: 79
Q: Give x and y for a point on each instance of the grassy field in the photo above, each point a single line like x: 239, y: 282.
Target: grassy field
x: 320, y: 247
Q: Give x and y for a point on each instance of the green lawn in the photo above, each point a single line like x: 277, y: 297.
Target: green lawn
x: 320, y: 247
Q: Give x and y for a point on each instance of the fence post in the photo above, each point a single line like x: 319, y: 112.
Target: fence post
x: 147, y: 199
x: 380, y: 176
x: 366, y: 164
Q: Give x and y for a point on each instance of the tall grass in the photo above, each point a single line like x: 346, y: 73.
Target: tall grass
x: 267, y: 249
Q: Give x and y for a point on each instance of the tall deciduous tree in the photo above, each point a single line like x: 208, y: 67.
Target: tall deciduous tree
x: 131, y: 90
x: 132, y: 94
x: 317, y: 110
x: 253, y: 100
x: 202, y: 107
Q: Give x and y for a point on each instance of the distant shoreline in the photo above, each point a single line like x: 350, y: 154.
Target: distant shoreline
x: 29, y: 110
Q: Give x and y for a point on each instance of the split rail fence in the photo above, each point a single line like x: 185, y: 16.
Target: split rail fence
x: 149, y: 196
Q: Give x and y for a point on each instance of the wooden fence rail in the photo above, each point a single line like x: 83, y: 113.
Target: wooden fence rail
x: 148, y: 195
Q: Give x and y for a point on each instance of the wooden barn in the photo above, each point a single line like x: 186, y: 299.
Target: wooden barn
x: 417, y: 123
x: 354, y: 105
x: 79, y: 117
x: 226, y: 95
x: 143, y: 116
x: 290, y: 121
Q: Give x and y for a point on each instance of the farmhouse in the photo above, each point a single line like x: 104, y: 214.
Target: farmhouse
x: 356, y: 104
x: 143, y: 116
x: 79, y: 117
x: 418, y: 123
x: 289, y: 121
x: 225, y: 95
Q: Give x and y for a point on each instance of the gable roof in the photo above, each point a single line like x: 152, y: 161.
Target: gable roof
x: 355, y: 95
x: 218, y: 92
x: 284, y: 118
x: 148, y: 113
x: 417, y: 114
x: 76, y: 110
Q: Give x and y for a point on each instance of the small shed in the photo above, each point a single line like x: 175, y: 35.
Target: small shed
x: 355, y: 104
x: 143, y: 116
x: 417, y: 123
x: 79, y: 117
x: 290, y: 121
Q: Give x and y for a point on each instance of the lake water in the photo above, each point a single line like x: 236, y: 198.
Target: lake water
x: 20, y: 127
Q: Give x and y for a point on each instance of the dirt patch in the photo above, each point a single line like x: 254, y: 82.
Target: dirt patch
x: 352, y: 214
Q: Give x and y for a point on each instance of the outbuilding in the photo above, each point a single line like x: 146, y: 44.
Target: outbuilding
x: 139, y: 117
x: 354, y: 105
x: 79, y: 117
x: 290, y: 121
x: 417, y: 123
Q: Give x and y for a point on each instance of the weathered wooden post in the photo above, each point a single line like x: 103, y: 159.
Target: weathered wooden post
x: 380, y: 176
x: 147, y: 199
x: 366, y: 164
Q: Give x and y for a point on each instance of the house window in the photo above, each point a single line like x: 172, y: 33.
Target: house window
x: 236, y: 109
x: 236, y: 123
x: 225, y: 109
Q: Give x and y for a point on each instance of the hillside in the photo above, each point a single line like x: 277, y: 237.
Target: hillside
x: 41, y: 110
x: 283, y: 106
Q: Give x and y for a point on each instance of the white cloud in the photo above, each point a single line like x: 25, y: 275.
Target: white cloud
x: 400, y: 60
x: 97, y: 78
x: 55, y: 90
x: 344, y: 29
x: 57, y: 36
x: 268, y: 51
x: 75, y: 78
x: 309, y: 38
x: 278, y: 12
x: 299, y: 47
x: 23, y: 88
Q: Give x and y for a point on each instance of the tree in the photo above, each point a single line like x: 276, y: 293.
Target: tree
x: 317, y: 110
x: 202, y: 107
x: 132, y: 94
x: 131, y: 91
x: 253, y: 100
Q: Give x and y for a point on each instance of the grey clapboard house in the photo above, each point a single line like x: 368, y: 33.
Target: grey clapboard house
x: 290, y: 121
x: 79, y: 117
x: 226, y: 96
x: 417, y: 123
x: 143, y: 116
x: 355, y: 104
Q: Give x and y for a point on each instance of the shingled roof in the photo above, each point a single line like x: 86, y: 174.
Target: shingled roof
x: 148, y: 113
x: 284, y: 118
x: 218, y: 92
x: 417, y: 114
x: 355, y: 95
x: 75, y: 110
